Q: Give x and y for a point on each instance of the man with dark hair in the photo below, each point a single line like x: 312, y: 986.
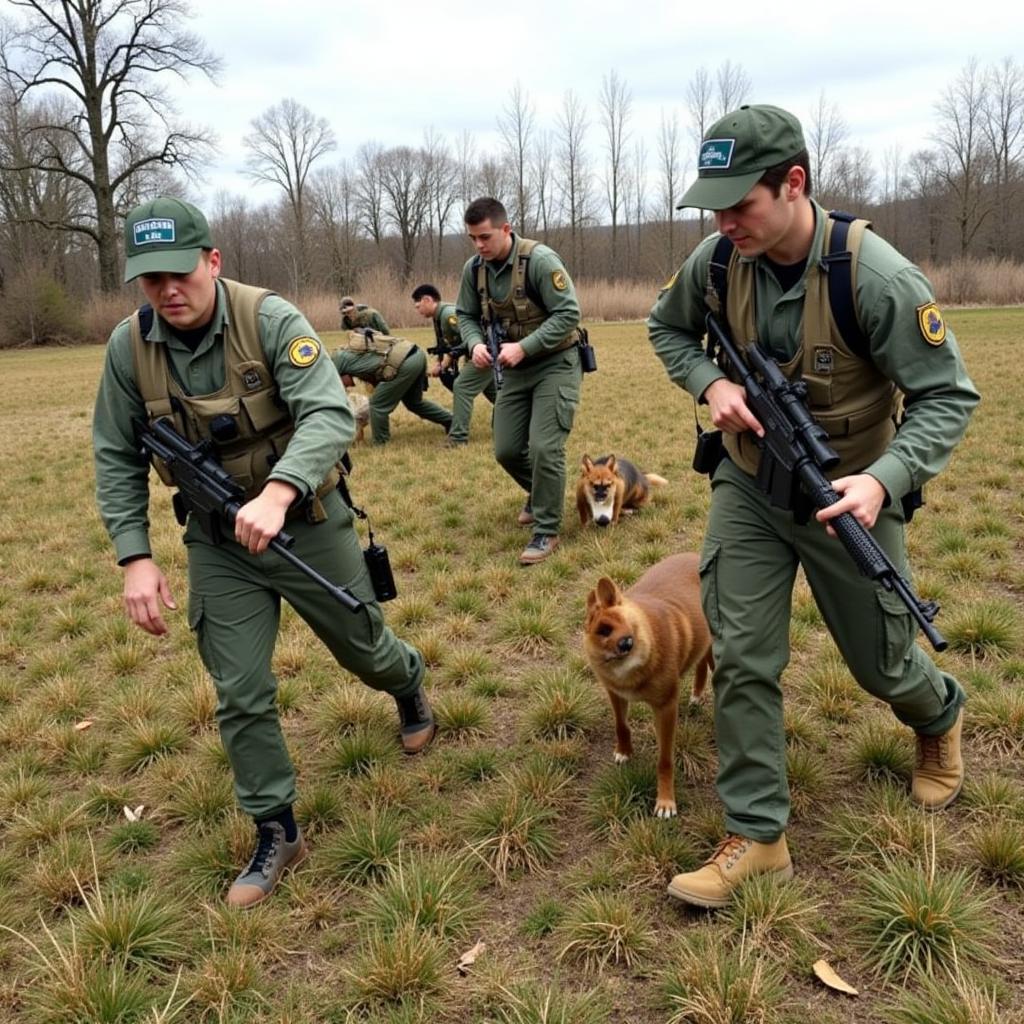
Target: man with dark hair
x: 358, y: 316
x: 764, y: 276
x: 240, y: 369
x: 465, y: 382
x: 522, y: 288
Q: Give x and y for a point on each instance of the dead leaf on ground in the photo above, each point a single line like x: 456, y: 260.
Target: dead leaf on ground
x: 828, y: 976
x: 469, y: 957
x: 85, y: 723
x: 134, y: 815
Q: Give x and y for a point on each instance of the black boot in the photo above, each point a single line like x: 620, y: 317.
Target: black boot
x: 416, y: 720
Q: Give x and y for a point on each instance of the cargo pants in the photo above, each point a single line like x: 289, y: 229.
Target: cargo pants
x: 407, y: 388
x: 533, y: 415
x: 747, y: 569
x: 235, y: 611
x: 470, y: 382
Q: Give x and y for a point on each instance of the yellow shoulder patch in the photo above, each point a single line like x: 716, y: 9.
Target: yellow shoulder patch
x: 671, y: 281
x: 559, y: 281
x: 933, y: 327
x: 303, y: 351
x: 453, y: 321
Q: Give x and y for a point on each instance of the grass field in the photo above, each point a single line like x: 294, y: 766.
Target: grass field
x: 515, y: 829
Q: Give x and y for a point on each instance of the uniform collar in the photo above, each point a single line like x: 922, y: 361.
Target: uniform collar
x: 509, y: 259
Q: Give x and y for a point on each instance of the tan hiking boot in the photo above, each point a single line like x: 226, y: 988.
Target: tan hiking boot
x: 939, y: 771
x: 525, y: 517
x: 734, y: 859
x: 540, y: 547
x: 273, y: 857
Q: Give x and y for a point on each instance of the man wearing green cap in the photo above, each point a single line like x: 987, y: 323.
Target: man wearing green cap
x: 242, y: 369
x: 523, y: 288
x: 764, y: 276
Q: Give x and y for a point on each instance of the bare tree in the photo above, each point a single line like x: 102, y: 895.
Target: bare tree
x: 285, y: 141
x: 574, y: 174
x: 826, y: 132
x: 698, y: 102
x: 516, y: 126
x: 109, y: 60
x: 926, y: 186
x: 965, y: 164
x: 370, y: 191
x: 1003, y: 127
x: 335, y: 212
x: 733, y: 85
x: 443, y: 186
x: 671, y: 172
x: 854, y: 178
x: 541, y: 169
x: 615, y: 102
x: 891, y: 194
x: 639, y: 194
x: 405, y: 180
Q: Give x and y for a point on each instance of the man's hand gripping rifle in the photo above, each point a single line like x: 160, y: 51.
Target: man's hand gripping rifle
x: 496, y: 334
x: 214, y: 498
x: 795, y: 450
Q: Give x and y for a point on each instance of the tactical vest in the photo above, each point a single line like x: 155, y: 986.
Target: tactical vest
x: 394, y: 351
x: 249, y: 396
x: 360, y: 318
x: 521, y: 313
x: 846, y: 393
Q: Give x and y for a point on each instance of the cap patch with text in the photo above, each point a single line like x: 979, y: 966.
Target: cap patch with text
x: 158, y: 229
x: 933, y: 327
x: 303, y: 351
x: 715, y: 154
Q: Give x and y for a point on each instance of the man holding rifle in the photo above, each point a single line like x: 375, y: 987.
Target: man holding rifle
x: 855, y: 323
x: 241, y: 371
x: 518, y: 316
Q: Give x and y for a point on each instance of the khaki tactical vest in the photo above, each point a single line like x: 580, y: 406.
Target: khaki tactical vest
x: 394, y: 351
x: 359, y: 318
x: 846, y: 393
x: 249, y: 397
x: 518, y: 314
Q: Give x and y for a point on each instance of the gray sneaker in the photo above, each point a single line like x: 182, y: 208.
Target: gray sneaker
x: 541, y: 545
x: 274, y: 855
x: 417, y: 721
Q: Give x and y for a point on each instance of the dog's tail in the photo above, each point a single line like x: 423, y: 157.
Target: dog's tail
x: 654, y: 480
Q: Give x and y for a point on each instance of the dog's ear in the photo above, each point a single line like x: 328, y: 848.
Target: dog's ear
x: 607, y: 592
x: 592, y: 603
x: 587, y: 463
x: 610, y: 463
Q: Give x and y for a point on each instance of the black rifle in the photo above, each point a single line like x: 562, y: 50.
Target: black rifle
x: 794, y: 451
x: 496, y: 334
x: 450, y: 373
x: 214, y: 497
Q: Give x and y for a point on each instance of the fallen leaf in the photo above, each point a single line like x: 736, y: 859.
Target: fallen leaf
x: 135, y: 815
x: 828, y: 976
x: 469, y: 957
x: 85, y: 723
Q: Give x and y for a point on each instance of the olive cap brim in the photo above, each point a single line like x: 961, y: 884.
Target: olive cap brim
x: 167, y: 261
x: 719, y: 193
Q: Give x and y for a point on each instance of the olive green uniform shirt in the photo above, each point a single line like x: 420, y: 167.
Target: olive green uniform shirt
x: 938, y: 394
x: 363, y: 365
x: 324, y: 425
x: 447, y: 319
x: 544, y: 268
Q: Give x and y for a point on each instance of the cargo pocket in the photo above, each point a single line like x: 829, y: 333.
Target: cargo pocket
x: 709, y: 585
x: 895, y: 633
x: 199, y: 625
x: 565, y: 408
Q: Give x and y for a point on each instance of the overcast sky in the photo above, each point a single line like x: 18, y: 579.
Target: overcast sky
x: 389, y: 69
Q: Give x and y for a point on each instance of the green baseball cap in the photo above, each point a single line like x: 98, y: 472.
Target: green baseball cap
x: 737, y: 150
x: 164, y: 236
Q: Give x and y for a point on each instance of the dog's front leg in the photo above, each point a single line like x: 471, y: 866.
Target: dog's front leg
x: 665, y: 727
x: 623, y: 737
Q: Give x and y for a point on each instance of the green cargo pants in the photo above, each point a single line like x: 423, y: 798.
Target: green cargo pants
x: 748, y: 566
x: 235, y: 610
x: 470, y: 382
x: 532, y: 419
x: 407, y: 388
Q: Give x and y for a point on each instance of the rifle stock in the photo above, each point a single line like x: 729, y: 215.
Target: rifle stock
x: 795, y: 450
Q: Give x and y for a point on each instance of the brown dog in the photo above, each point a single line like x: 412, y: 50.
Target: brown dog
x: 608, y: 485
x: 639, y: 645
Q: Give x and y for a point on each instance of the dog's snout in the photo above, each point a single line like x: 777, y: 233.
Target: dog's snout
x: 625, y: 645
x: 603, y: 520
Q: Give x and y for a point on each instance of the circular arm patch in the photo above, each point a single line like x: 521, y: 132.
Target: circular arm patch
x: 303, y: 351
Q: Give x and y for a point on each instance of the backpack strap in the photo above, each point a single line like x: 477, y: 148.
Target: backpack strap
x: 837, y: 263
x: 718, y: 275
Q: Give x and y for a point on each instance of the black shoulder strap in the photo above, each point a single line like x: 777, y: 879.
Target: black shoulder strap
x: 145, y: 319
x: 718, y: 272
x: 838, y: 264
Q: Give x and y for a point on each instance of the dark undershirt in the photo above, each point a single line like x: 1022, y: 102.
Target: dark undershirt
x: 787, y: 274
x: 191, y: 339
